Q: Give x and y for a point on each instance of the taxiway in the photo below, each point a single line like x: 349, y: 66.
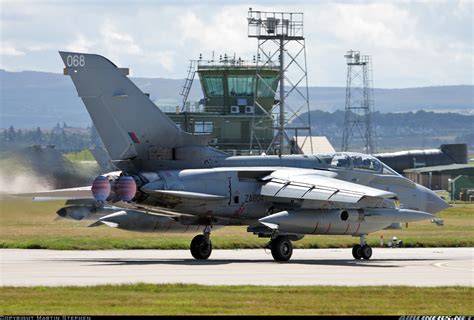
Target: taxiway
x: 426, y: 267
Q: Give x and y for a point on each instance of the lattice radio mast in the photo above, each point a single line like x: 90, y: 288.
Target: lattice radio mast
x: 280, y: 44
x: 359, y: 107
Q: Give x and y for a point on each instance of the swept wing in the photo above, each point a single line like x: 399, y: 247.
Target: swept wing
x: 310, y: 185
x: 60, y: 194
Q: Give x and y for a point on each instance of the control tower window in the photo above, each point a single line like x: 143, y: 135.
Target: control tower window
x: 214, y: 86
x: 203, y: 127
x: 266, y: 85
x: 241, y: 86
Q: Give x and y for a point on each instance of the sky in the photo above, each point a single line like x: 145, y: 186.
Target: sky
x: 412, y: 43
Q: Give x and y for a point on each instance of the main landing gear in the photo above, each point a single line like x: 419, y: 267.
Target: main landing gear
x: 362, y: 250
x: 201, y: 245
x: 281, y: 248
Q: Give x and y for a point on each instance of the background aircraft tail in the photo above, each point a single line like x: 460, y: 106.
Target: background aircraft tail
x: 130, y: 125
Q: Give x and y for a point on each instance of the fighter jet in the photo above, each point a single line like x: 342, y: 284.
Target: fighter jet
x: 169, y: 180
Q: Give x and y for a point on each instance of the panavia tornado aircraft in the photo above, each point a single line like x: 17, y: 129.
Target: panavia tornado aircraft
x: 172, y: 181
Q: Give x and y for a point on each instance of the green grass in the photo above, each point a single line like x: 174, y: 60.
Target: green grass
x: 83, y: 155
x: 26, y: 224
x: 178, y: 299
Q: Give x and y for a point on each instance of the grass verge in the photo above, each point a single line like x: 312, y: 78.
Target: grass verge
x: 83, y: 155
x: 176, y: 299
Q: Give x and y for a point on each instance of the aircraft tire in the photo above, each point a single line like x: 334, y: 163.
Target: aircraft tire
x: 282, y: 248
x: 201, y: 247
x: 357, y: 252
x: 366, y: 252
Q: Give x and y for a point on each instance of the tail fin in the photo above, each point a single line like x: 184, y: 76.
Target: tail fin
x: 129, y: 123
x: 103, y: 159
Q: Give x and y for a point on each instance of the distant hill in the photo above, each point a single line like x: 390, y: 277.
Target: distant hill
x: 395, y: 131
x: 458, y: 99
x: 30, y: 99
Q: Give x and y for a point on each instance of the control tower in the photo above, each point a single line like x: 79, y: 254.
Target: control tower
x: 227, y: 111
x: 246, y: 107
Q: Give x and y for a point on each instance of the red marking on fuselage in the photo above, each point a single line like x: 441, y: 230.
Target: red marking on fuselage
x: 347, y: 228
x: 329, y: 227
x: 239, y: 211
x: 315, y: 228
x: 357, y: 228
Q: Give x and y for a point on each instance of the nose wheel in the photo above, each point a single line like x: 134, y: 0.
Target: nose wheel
x: 281, y: 248
x: 201, y: 246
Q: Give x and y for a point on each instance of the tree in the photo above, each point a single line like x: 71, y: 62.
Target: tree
x: 38, y: 136
x: 11, y: 134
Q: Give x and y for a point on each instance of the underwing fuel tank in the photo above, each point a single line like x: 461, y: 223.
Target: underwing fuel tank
x: 132, y: 220
x: 354, y: 221
x: 395, y: 215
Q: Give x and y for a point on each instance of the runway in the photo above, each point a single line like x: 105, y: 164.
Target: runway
x: 427, y: 267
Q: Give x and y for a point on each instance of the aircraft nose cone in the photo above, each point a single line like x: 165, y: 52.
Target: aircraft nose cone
x: 435, y: 203
x: 429, y: 201
x: 61, y: 212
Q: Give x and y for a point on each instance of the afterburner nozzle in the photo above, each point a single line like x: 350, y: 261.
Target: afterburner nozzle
x: 101, y: 188
x: 126, y: 188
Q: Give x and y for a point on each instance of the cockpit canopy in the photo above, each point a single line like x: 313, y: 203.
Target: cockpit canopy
x: 357, y: 161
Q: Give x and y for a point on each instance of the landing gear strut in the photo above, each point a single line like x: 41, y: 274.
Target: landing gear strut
x: 282, y: 248
x: 362, y: 250
x: 201, y: 245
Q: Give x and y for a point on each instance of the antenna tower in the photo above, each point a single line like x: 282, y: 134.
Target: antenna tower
x: 281, y: 44
x: 359, y: 102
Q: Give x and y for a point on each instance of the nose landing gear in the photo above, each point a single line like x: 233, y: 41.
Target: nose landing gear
x: 201, y: 245
x: 281, y: 248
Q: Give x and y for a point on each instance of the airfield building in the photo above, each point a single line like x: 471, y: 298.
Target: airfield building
x: 228, y: 111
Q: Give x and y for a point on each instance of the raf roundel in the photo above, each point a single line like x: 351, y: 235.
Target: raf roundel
x: 101, y: 188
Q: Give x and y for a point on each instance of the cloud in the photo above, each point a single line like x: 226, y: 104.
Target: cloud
x: 8, y: 50
x: 118, y: 42
x: 412, y: 43
x: 39, y: 47
x: 81, y: 44
x: 164, y: 58
x: 224, y: 31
